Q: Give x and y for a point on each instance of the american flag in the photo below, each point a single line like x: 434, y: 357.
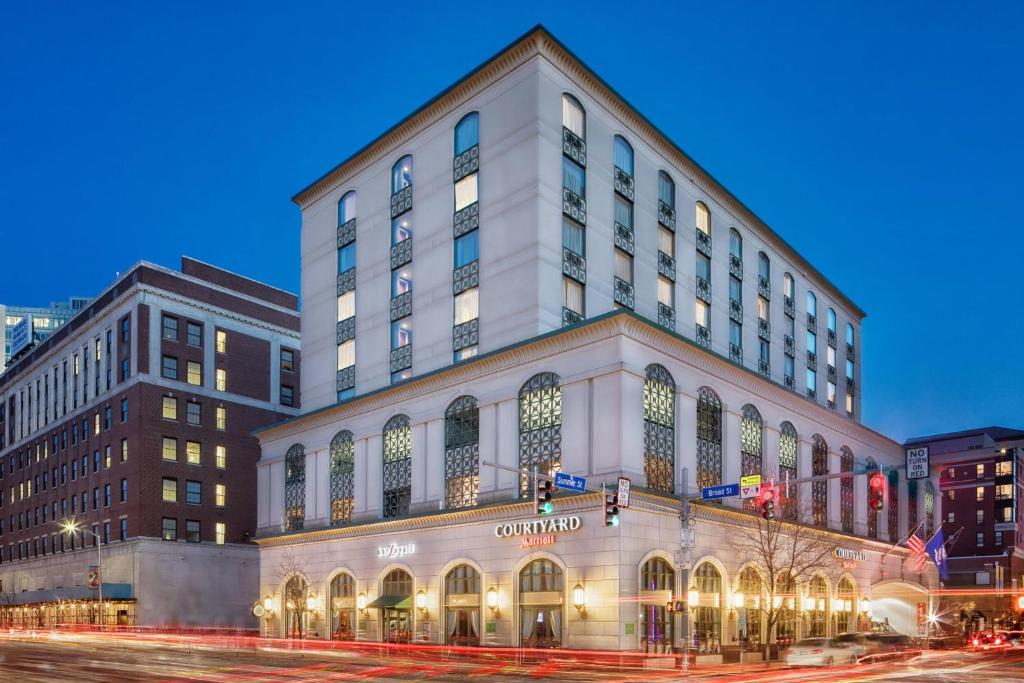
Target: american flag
x: 918, y: 554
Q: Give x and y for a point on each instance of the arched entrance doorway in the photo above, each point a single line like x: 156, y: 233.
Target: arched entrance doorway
x: 657, y: 583
x: 844, y: 604
x: 541, y: 587
x: 395, y: 605
x: 707, y: 616
x: 748, y: 603
x: 462, y: 606
x: 343, y: 607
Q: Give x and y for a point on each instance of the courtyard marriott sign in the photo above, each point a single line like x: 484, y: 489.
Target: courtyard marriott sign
x: 537, y: 532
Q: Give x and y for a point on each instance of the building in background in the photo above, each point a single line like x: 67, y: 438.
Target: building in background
x: 981, y: 489
x: 134, y: 418
x: 525, y: 272
x: 42, y: 322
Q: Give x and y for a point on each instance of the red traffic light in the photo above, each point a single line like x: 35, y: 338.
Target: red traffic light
x: 767, y: 494
x: 877, y: 481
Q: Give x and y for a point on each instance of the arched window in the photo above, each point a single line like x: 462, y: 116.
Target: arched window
x: 787, y: 467
x: 573, y: 117
x: 294, y: 487
x: 846, y: 489
x: 401, y: 174
x: 343, y: 464
x: 541, y: 620
x: 397, y: 583
x: 893, y: 514
x: 785, y: 601
x: 467, y: 133
x: 788, y: 289
x: 871, y: 466
x: 346, y: 208
x: 397, y: 466
x: 295, y: 592
x: 929, y: 509
x: 666, y: 190
x: 462, y: 452
x: 842, y: 606
x: 623, y: 152
x: 540, y: 426
x: 819, y: 489
x: 751, y: 440
x: 751, y: 597
x: 707, y: 616
x: 830, y: 319
x: 812, y: 304
x: 396, y: 623
x: 462, y: 606
x: 342, y: 607
x: 849, y: 336
x: 656, y: 574
x: 735, y: 244
x: 659, y: 429
x: 709, y: 438
x: 703, y: 218
x: 764, y: 269
x: 817, y: 599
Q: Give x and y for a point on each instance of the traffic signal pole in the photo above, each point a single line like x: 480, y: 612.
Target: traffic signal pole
x: 684, y: 568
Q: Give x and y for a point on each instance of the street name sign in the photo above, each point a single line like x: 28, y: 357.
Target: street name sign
x: 724, y: 491
x: 564, y: 480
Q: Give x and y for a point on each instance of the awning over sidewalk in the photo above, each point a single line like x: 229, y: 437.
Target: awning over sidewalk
x: 111, y: 591
x: 392, y: 601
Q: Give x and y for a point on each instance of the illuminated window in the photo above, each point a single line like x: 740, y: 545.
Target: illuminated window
x: 219, y: 533
x: 220, y: 495
x: 701, y: 314
x: 195, y: 373
x: 1004, y: 468
x: 170, y: 408
x: 347, y: 305
x: 170, y: 490
x: 169, y: 450
x: 466, y: 192
x: 467, y: 306
x: 222, y: 379
x: 222, y: 341
x: 979, y: 493
x: 192, y: 452
x: 222, y: 418
x: 572, y: 296
x: 979, y: 516
x: 703, y: 218
x: 347, y: 354
x: 287, y: 360
x: 980, y: 470
x: 221, y: 457
x: 666, y: 292
x: 124, y: 450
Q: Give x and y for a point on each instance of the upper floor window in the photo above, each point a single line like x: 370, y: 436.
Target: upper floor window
x: 573, y: 177
x: 666, y: 189
x: 462, y: 452
x: 170, y: 331
x: 467, y: 133
x: 397, y: 470
x: 764, y: 266
x: 703, y: 218
x: 831, y: 319
x: 401, y: 174
x: 812, y: 303
x: 735, y: 243
x: 401, y: 229
x: 347, y: 257
x: 573, y: 117
x: 849, y: 334
x: 295, y: 487
x: 787, y: 285
x: 623, y: 155
x: 346, y: 208
x: 540, y: 426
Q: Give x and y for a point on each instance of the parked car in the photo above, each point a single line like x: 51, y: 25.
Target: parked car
x: 819, y: 652
x: 859, y: 643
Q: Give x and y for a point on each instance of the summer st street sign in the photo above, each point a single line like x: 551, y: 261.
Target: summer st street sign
x: 564, y: 480
x: 724, y: 491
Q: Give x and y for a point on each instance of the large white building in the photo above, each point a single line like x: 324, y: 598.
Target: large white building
x: 525, y: 272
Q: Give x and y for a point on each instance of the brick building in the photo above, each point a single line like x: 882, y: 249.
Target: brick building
x: 980, y: 485
x: 134, y: 420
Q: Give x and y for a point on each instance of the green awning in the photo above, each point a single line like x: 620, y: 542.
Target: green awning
x: 392, y: 601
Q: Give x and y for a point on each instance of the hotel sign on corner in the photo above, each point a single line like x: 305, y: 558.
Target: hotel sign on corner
x: 396, y: 550
x: 537, y: 532
x: 917, y: 463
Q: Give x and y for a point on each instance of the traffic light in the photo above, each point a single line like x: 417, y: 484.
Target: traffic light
x: 542, y: 497
x: 611, y: 510
x: 768, y: 503
x: 877, y: 486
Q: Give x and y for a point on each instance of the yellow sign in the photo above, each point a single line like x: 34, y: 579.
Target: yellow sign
x: 750, y: 480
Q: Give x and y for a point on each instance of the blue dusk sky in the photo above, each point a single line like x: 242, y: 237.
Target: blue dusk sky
x: 882, y: 140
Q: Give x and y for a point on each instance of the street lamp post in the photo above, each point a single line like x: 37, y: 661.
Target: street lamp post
x: 71, y: 527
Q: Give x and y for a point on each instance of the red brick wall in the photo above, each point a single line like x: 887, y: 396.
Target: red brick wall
x: 247, y: 363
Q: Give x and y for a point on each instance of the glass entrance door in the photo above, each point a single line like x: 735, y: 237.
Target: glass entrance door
x: 397, y: 625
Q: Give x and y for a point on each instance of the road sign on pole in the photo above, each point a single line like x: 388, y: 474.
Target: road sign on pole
x: 687, y: 538
x: 564, y: 480
x: 750, y: 486
x: 624, y: 483
x: 724, y: 491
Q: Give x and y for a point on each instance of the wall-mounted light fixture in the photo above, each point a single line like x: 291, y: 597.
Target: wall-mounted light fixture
x: 692, y: 598
x: 738, y: 600
x: 492, y: 602
x: 361, y: 603
x: 421, y: 602
x: 579, y: 599
x: 268, y: 605
x: 310, y: 602
x: 808, y: 603
x: 865, y: 606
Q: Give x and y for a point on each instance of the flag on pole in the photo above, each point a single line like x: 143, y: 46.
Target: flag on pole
x: 918, y: 552
x: 936, y: 548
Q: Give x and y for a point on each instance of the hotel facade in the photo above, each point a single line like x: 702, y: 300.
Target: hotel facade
x: 134, y: 421
x: 526, y: 273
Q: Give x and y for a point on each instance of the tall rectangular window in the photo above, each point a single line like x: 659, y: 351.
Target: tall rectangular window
x: 169, y: 448
x: 169, y: 408
x: 193, y: 492
x: 666, y: 292
x: 701, y: 314
x: 466, y: 192
x: 170, y: 529
x: 347, y: 354
x: 219, y: 533
x: 192, y: 534
x: 221, y: 459
x: 467, y: 305
x: 194, y: 334
x: 169, y: 491
x: 623, y: 266
x: 192, y: 452
x: 123, y: 530
x: 169, y: 367
x: 222, y: 379
x: 287, y: 397
x: 170, y: 328
x: 222, y: 418
x: 195, y: 373
x: 193, y: 413
x: 287, y: 360
x: 220, y: 495
x: 222, y: 341
x: 347, y: 305
x: 573, y: 296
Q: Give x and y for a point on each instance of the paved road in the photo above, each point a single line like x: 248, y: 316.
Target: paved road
x: 85, y: 658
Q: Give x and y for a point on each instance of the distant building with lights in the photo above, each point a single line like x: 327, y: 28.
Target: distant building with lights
x: 525, y: 272
x: 42, y: 322
x: 134, y: 419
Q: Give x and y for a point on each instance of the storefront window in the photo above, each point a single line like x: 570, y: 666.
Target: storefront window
x: 846, y: 598
x: 707, y: 617
x: 785, y: 602
x: 656, y: 574
x: 295, y: 607
x: 817, y: 597
x: 343, y: 603
x: 462, y: 606
x: 749, y: 615
x: 540, y: 588
x: 395, y: 606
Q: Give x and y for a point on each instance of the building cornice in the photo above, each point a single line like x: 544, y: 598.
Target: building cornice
x: 538, y: 42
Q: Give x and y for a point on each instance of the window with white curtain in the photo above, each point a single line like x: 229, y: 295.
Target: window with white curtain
x: 347, y: 354
x: 666, y: 292
x: 467, y: 306
x: 702, y: 313
x: 573, y: 117
x: 703, y: 218
x: 762, y: 308
x: 666, y: 242
x: 573, y: 295
x: 346, y: 305
x: 623, y: 266
x: 787, y: 285
x: 466, y: 192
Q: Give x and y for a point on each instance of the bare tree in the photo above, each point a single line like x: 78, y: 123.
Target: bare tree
x: 786, y: 554
x: 291, y: 571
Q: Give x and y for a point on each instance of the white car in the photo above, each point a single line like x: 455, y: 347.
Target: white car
x: 819, y: 652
